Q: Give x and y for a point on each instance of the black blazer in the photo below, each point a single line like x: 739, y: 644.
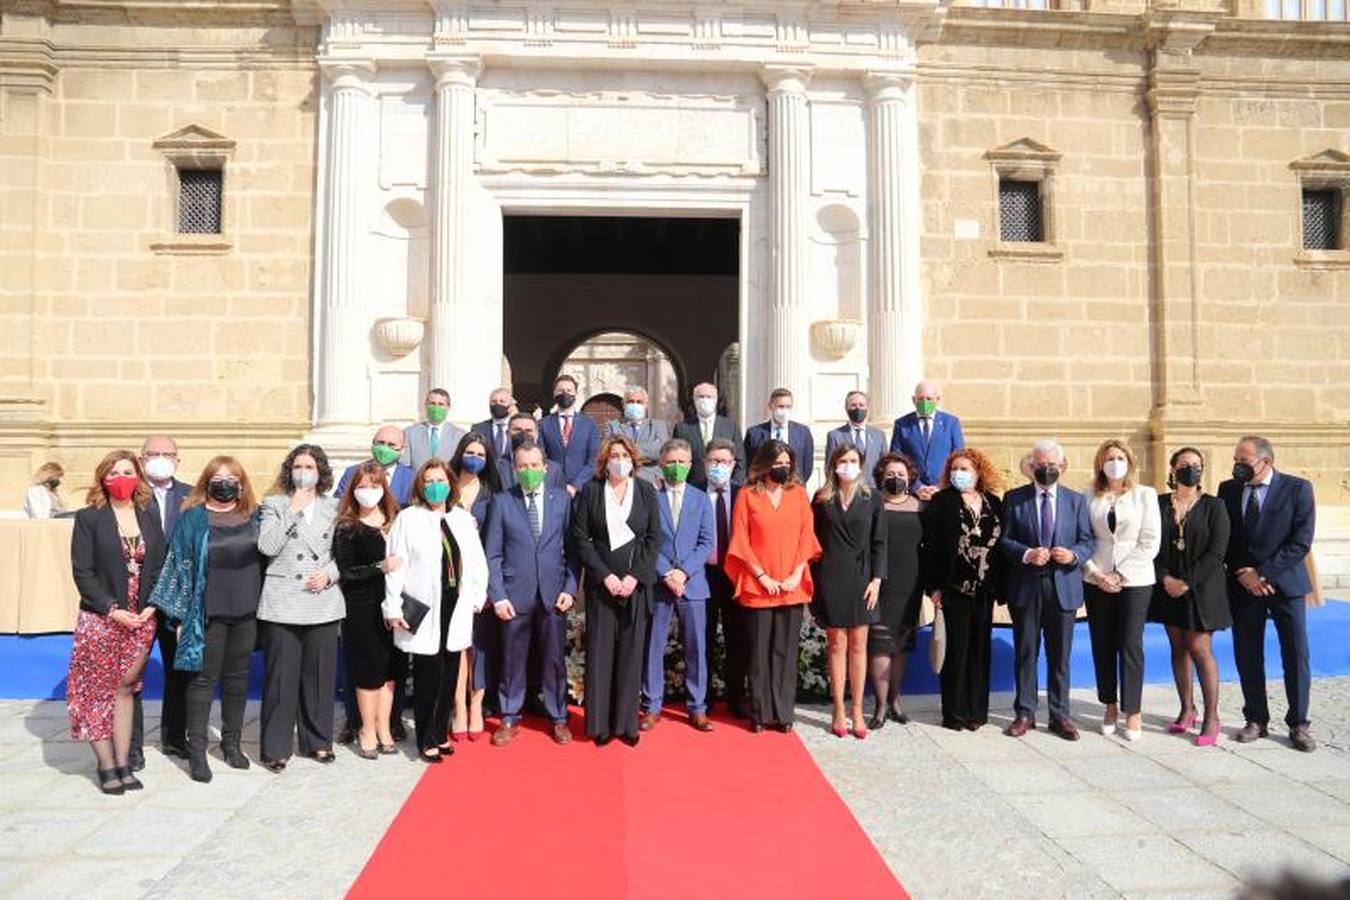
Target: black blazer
x: 96, y: 558
x: 723, y: 427
x: 852, y: 548
x: 1278, y: 549
x: 1200, y: 565
x: 941, y: 536
x: 590, y: 535
x: 178, y: 492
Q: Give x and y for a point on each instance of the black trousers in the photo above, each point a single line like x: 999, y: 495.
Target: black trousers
x: 434, y: 677
x: 299, y: 680
x: 1116, y: 624
x: 173, y: 710
x: 774, y: 635
x: 616, y: 640
x: 225, y: 661
x: 1040, y: 615
x: 965, y: 665
x: 722, y: 606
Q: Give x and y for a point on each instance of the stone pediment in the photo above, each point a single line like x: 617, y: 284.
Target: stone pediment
x: 195, y: 147
x: 1024, y: 150
x: 1329, y: 160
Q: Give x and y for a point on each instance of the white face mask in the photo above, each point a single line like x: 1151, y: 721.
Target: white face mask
x: 368, y: 497
x: 706, y: 407
x: 1116, y: 469
x: 159, y: 468
x: 620, y: 467
x: 304, y: 478
x: 781, y: 414
x: 848, y: 471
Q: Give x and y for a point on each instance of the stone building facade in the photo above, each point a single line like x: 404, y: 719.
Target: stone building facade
x: 369, y: 150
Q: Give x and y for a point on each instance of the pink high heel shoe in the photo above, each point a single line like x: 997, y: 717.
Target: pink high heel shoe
x: 1183, y: 725
x: 1209, y: 740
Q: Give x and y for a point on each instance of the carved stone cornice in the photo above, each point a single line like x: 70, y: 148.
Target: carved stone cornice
x: 455, y: 69
x: 27, y: 64
x: 782, y: 78
x: 345, y: 72
x: 1174, y: 34
x: 1173, y: 92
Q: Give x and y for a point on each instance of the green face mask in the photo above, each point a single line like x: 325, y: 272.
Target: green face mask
x: 436, y: 492
x: 385, y: 456
x: 675, y: 473
x: 436, y: 414
x: 530, y: 479
x: 926, y: 407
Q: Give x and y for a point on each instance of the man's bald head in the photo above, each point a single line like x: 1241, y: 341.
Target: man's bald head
x: 391, y: 435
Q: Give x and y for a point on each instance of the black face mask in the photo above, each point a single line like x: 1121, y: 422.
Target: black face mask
x: 1189, y: 475
x: 780, y: 474
x: 519, y: 438
x: 1243, y: 472
x: 564, y: 401
x: 857, y: 415
x: 499, y: 411
x: 894, y: 484
x: 53, y: 484
x: 1046, y: 474
x: 223, y: 491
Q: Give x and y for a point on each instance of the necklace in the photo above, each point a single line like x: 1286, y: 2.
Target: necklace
x: 1179, y: 515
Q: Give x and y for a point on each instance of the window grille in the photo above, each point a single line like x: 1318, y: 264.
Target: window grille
x: 1321, y: 219
x: 1020, y: 217
x: 199, y: 200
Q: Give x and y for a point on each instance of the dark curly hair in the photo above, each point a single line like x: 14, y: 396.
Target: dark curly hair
x: 284, y: 484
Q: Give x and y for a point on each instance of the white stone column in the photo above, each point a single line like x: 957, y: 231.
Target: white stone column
x: 455, y: 334
x: 343, y: 401
x: 895, y: 302
x: 787, y: 360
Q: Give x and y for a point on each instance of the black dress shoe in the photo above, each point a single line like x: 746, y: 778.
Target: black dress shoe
x: 198, y: 768
x: 756, y: 727
x: 397, y: 732
x: 898, y: 715
x: 877, y: 721
x: 1301, y: 737
x: 174, y: 748
x: 346, y: 736
x: 603, y: 739
x: 782, y: 727
x: 630, y: 739
x: 234, y: 757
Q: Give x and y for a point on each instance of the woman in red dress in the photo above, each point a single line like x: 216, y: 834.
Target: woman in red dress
x: 116, y: 552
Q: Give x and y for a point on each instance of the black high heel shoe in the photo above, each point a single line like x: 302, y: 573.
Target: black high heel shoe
x: 110, y: 781
x: 129, y: 782
x: 877, y: 720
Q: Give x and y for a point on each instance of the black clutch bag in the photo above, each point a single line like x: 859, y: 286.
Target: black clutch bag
x: 414, y: 611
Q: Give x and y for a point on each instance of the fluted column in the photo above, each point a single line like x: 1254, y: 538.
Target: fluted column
x: 344, y: 391
x: 788, y: 323
x: 895, y: 304
x: 456, y: 325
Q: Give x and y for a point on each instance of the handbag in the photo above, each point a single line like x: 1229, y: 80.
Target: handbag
x: 414, y: 611
x: 937, y: 648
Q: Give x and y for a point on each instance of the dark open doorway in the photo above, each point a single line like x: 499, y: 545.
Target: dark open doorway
x: 617, y: 301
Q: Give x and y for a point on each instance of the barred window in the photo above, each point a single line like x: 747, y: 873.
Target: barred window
x: 200, y: 193
x: 1321, y: 219
x: 1020, y: 217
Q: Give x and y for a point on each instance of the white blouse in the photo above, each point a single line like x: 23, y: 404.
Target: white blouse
x: 616, y: 514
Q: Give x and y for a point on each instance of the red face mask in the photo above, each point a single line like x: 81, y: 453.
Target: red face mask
x: 121, y: 487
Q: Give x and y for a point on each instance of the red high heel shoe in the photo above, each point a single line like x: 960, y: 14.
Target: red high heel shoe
x: 1209, y: 740
x: 458, y: 736
x: 1182, y: 725
x: 860, y: 732
x: 838, y: 731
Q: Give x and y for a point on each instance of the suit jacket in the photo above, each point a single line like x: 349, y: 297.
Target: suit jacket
x: 521, y: 569
x: 96, y: 558
x: 799, y: 439
x: 507, y: 470
x: 1021, y: 532
x: 1131, y: 548
x: 907, y: 438
x: 297, y: 549
x: 488, y: 430
x: 577, y: 457
x: 590, y: 537
x: 178, y: 492
x: 943, y: 533
x: 651, y: 434
x: 872, y: 452
x: 417, y: 443
x: 415, y: 538
x: 686, y: 545
x: 723, y: 427
x: 1200, y: 565
x: 400, y: 482
x: 1278, y: 546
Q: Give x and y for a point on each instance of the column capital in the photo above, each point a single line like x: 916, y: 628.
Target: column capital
x: 348, y: 72
x: 785, y: 79
x: 889, y: 84
x: 455, y: 69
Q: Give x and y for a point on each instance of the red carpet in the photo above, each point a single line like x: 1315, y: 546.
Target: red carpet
x: 683, y: 814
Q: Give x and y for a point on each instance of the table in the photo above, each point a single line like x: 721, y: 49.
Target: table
x: 37, y: 592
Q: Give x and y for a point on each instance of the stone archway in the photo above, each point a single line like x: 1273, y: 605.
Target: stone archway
x: 607, y: 364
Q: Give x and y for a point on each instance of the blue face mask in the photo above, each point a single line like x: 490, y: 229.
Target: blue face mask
x: 634, y: 412
x: 473, y: 464
x: 719, y: 474
x: 963, y: 480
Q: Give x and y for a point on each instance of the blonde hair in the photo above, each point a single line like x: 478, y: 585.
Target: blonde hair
x: 1100, y: 483
x: 47, y: 471
x: 831, y: 488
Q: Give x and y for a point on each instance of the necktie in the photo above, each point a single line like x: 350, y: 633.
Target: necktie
x: 1047, y: 520
x: 501, y: 440
x: 705, y: 427
x: 723, y: 538
x: 1253, y: 510
x: 675, y: 499
x: 858, y: 440
x: 435, y: 439
x: 567, y: 430
x: 536, y: 522
x: 927, y: 425
x: 633, y: 430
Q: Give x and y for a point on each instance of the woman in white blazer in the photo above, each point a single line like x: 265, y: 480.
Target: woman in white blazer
x: 439, y: 565
x: 1119, y: 580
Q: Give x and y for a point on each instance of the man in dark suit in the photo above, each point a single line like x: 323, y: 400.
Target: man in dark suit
x: 688, y: 538
x: 1047, y: 537
x: 927, y: 436
x: 386, y: 448
x: 532, y: 582
x: 870, y: 442
x: 521, y: 427
x: 701, y: 427
x: 569, y: 436
x: 1273, y: 514
x: 496, y: 428
x: 649, y: 434
x: 159, y: 462
x: 720, y: 465
x: 780, y: 427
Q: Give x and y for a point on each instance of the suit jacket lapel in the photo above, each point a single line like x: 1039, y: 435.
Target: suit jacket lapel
x: 1276, y: 487
x: 667, y: 514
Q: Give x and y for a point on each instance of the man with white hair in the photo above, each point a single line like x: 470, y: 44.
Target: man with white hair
x: 1047, y: 537
x: 705, y: 425
x: 649, y: 434
x: 928, y: 436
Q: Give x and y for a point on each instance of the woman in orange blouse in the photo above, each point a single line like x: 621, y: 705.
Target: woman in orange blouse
x: 773, y: 541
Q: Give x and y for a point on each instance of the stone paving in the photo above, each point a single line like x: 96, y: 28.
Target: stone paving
x: 954, y: 814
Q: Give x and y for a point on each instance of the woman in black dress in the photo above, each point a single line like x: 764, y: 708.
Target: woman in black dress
x: 847, y: 578
x: 616, y: 527
x: 961, y: 527
x: 890, y: 638
x: 1190, y: 596
x: 478, y: 483
x: 366, y: 511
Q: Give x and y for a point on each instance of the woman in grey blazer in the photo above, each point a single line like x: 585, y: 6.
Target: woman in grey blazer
x: 300, y: 610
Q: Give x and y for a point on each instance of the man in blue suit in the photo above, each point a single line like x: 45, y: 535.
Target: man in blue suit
x: 1047, y: 537
x: 1273, y: 514
x: 869, y: 441
x: 386, y: 449
x: 927, y: 436
x: 688, y: 537
x: 532, y: 583
x: 720, y: 466
x: 521, y: 427
x: 780, y: 427
x: 569, y: 436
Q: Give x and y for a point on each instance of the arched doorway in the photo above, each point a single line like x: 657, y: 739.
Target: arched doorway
x: 605, y: 365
